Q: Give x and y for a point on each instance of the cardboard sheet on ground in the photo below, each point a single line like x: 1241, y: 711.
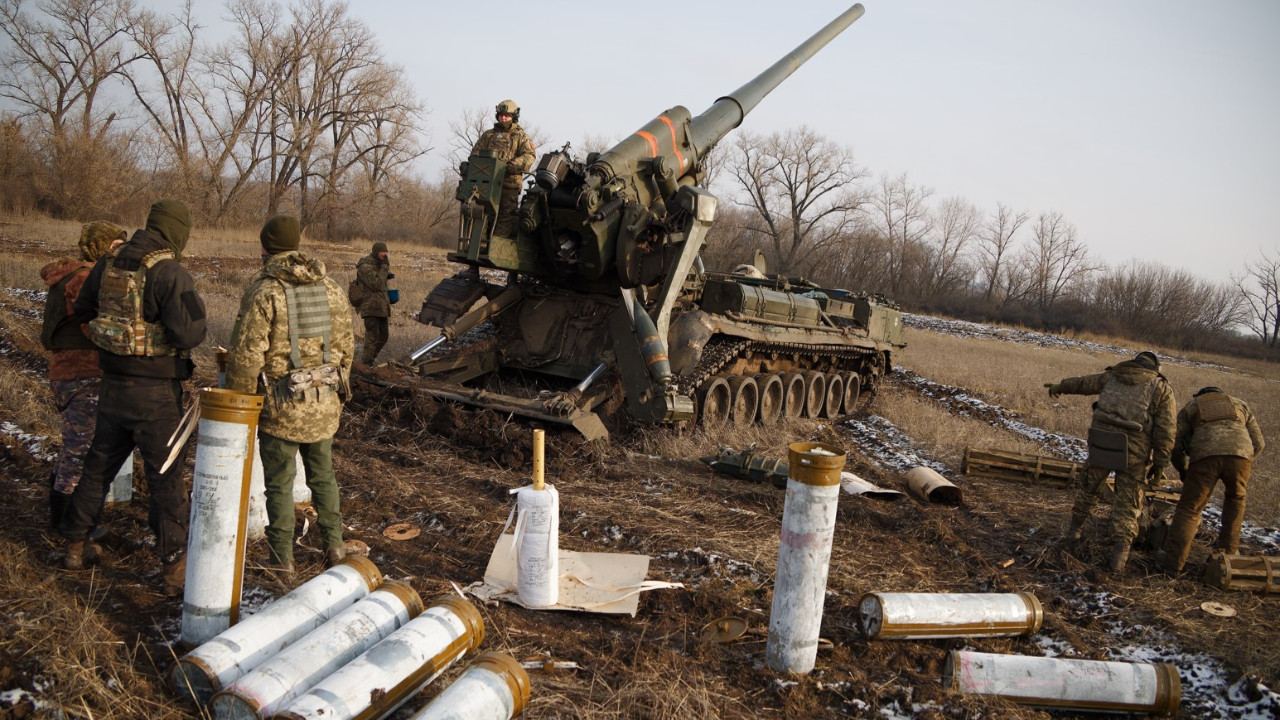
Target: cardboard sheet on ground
x: 589, y: 582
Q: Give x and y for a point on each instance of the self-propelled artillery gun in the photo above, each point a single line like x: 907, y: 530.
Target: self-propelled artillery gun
x: 604, y: 287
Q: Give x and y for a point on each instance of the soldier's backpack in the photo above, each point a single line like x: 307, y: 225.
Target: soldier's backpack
x: 356, y: 293
x: 119, y: 327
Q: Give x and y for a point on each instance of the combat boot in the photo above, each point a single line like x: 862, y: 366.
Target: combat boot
x: 1119, y: 556
x: 283, y: 569
x: 333, y: 556
x: 175, y: 576
x: 79, y: 554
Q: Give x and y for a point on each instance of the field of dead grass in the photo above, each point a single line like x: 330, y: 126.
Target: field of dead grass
x: 1013, y: 375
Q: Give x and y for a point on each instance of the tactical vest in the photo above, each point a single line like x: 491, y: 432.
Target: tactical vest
x: 502, y: 143
x: 308, y: 307
x: 1214, y: 407
x: 60, y: 330
x: 119, y: 327
x: 1125, y: 406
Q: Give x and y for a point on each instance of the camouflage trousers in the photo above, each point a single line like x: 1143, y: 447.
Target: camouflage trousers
x: 375, y: 336
x: 1197, y: 487
x: 1125, y: 509
x: 279, y: 465
x: 77, y: 402
x: 507, y: 223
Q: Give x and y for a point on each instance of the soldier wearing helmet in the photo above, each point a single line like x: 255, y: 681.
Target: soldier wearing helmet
x: 508, y: 143
x: 1131, y: 434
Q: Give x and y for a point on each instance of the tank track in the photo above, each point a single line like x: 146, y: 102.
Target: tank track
x: 720, y: 352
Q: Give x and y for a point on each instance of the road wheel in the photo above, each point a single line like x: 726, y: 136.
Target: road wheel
x: 794, y: 387
x: 815, y: 393
x: 715, y: 401
x: 745, y: 396
x: 852, y: 390
x: 835, y: 396
x: 773, y: 398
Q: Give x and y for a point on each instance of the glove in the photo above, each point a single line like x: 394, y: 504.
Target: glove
x: 391, y: 276
x: 1054, y: 389
x: 1156, y: 474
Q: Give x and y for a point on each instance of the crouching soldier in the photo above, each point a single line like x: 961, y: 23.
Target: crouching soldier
x: 1218, y: 439
x: 293, y: 343
x: 1131, y: 434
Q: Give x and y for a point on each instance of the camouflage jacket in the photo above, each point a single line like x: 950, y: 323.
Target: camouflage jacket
x: 1134, y: 400
x: 82, y: 361
x: 511, y: 146
x: 371, y: 272
x: 1216, y: 424
x: 260, y: 347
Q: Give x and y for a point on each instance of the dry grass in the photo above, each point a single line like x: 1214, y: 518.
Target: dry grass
x: 1013, y: 375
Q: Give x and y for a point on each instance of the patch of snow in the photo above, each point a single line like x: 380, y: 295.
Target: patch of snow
x: 36, y: 445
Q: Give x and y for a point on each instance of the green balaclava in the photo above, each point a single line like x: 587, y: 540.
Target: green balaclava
x: 282, y: 233
x: 96, y: 239
x: 1148, y: 360
x: 378, y: 247
x: 171, y: 220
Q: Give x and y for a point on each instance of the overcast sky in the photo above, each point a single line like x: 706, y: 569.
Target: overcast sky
x: 1152, y: 125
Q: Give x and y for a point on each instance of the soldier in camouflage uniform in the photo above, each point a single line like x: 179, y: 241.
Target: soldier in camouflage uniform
x: 74, y: 374
x: 293, y: 343
x: 509, y: 143
x: 1218, y: 438
x: 369, y: 297
x: 1135, y: 406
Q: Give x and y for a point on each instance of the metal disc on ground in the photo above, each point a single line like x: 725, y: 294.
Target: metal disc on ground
x: 1217, y: 608
x: 355, y: 547
x: 402, y: 531
x: 723, y: 630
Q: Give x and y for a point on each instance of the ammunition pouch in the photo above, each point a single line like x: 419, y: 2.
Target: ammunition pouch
x: 309, y: 383
x: 1108, y: 449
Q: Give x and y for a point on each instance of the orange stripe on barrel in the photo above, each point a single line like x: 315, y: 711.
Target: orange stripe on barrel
x: 675, y: 146
x: 653, y: 143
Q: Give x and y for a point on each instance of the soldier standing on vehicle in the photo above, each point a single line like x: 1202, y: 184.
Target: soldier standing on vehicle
x: 1218, y: 438
x: 293, y: 343
x: 74, y: 375
x: 1131, y: 434
x: 368, y: 294
x: 145, y: 317
x: 508, y: 143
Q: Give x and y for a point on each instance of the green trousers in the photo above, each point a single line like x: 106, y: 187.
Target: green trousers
x: 279, y: 468
x: 1125, y: 509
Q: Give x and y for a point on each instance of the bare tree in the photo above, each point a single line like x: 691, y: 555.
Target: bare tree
x: 1056, y: 260
x: 902, y: 216
x: 957, y: 224
x: 1259, y: 288
x: 802, y: 189
x: 995, y: 245
x: 57, y: 67
x: 1150, y: 301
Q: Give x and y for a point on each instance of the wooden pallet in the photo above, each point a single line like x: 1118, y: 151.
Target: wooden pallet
x: 1006, y: 465
x: 1257, y: 573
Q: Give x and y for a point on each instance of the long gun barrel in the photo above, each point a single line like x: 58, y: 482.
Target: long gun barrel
x: 679, y: 140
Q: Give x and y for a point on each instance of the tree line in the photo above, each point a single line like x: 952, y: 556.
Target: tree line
x: 298, y: 110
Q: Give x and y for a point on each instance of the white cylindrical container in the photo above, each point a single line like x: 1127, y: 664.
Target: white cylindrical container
x: 1085, y: 685
x: 495, y: 687
x: 121, y: 489
x: 247, y: 644
x: 257, y: 523
x: 383, y: 678
x: 219, y: 504
x: 537, y: 543
x: 918, y: 616
x: 804, y: 555
x: 275, y: 683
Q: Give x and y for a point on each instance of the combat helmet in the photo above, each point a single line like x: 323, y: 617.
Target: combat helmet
x: 507, y: 107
